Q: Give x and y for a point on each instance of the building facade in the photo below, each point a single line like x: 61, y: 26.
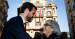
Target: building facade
x: 3, y: 13
x: 70, y: 9
x: 45, y: 11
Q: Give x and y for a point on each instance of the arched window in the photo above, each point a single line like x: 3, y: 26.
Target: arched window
x: 37, y: 22
x: 69, y: 8
x: 53, y: 10
x: 54, y: 19
x: 48, y: 13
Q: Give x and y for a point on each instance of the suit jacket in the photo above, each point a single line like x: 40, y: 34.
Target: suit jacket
x: 14, y: 29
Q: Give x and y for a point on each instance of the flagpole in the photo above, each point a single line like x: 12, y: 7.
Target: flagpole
x: 40, y: 15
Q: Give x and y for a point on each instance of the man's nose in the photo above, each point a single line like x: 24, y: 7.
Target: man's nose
x: 34, y: 16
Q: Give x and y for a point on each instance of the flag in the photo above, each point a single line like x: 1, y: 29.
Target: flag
x: 42, y: 11
x: 36, y: 13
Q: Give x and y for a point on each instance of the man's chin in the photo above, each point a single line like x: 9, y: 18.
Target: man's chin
x: 29, y: 20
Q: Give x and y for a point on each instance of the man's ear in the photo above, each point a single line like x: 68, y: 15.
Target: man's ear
x: 26, y: 11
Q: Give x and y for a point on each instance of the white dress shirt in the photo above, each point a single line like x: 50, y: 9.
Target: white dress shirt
x: 23, y: 19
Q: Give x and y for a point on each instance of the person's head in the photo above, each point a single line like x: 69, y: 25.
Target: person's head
x: 52, y: 27
x: 37, y: 35
x: 28, y: 10
x: 63, y: 35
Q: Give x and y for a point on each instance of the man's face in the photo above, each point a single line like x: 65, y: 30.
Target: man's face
x: 31, y: 14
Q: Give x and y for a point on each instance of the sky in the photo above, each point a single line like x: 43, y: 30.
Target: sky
x: 61, y: 12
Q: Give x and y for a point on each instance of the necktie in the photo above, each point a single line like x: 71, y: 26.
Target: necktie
x: 25, y: 26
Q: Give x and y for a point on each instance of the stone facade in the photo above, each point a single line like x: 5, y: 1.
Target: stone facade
x: 70, y: 9
x: 3, y: 13
x: 45, y: 11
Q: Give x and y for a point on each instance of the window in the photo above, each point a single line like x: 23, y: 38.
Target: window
x: 0, y: 16
x: 50, y: 4
x: 4, y: 12
x: 74, y: 5
x: 73, y: 28
x: 48, y: 13
x: 38, y: 23
x: 38, y: 13
x: 3, y: 4
x: 49, y: 8
x: 68, y: 1
x: 4, y: 18
x: 69, y: 8
x: 54, y: 19
x: 31, y: 31
x: 71, y: 18
x: 53, y: 10
x: 37, y: 2
x: 74, y: 14
x: 0, y: 10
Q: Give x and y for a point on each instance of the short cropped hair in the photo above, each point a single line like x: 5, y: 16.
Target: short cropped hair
x: 27, y: 5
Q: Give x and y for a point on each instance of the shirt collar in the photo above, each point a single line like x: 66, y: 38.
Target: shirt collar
x: 23, y: 19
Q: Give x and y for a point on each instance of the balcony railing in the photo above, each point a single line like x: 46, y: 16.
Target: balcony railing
x: 40, y: 4
x: 36, y: 27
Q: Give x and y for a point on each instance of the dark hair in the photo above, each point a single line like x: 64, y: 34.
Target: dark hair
x: 18, y: 10
x: 27, y: 5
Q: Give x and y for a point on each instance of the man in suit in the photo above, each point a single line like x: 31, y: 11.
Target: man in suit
x: 14, y: 28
